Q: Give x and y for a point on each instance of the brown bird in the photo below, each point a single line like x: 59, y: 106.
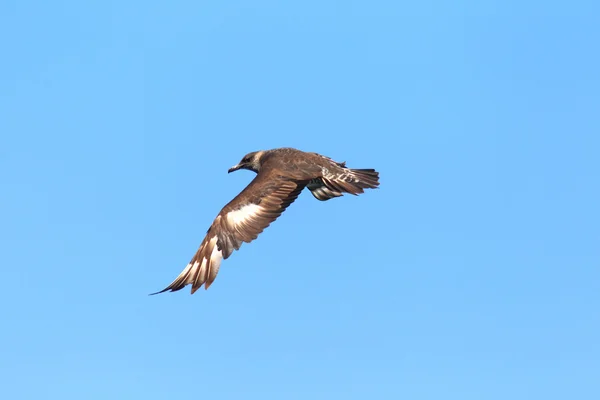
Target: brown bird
x: 281, y: 175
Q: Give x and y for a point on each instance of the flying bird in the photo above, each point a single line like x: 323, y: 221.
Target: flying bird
x: 281, y: 175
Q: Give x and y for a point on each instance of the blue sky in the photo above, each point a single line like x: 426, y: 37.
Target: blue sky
x: 472, y: 273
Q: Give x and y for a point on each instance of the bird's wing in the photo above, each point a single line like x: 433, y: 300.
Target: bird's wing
x: 242, y: 220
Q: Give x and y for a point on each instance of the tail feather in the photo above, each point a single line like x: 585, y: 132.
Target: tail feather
x: 352, y: 181
x: 365, y: 178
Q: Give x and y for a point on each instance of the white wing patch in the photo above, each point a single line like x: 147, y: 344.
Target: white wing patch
x: 199, y: 268
x: 215, y: 260
x: 243, y: 214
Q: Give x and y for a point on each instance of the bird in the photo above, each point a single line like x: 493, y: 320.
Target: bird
x: 281, y: 174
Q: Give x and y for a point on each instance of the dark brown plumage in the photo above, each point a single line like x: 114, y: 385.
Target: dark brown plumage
x: 281, y: 175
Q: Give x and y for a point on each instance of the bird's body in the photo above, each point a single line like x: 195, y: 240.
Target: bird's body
x: 281, y: 175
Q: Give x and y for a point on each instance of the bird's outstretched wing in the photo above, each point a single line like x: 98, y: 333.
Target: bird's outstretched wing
x: 242, y: 220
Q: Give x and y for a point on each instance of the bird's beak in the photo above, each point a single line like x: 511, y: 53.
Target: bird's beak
x: 234, y: 168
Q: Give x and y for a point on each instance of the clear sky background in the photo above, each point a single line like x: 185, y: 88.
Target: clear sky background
x: 472, y: 273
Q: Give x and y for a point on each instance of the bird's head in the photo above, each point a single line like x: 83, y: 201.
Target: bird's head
x: 251, y: 161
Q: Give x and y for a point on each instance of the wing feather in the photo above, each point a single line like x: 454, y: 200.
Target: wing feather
x: 241, y: 220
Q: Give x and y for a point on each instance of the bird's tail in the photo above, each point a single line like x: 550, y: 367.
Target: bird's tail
x: 363, y: 179
x: 353, y: 181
